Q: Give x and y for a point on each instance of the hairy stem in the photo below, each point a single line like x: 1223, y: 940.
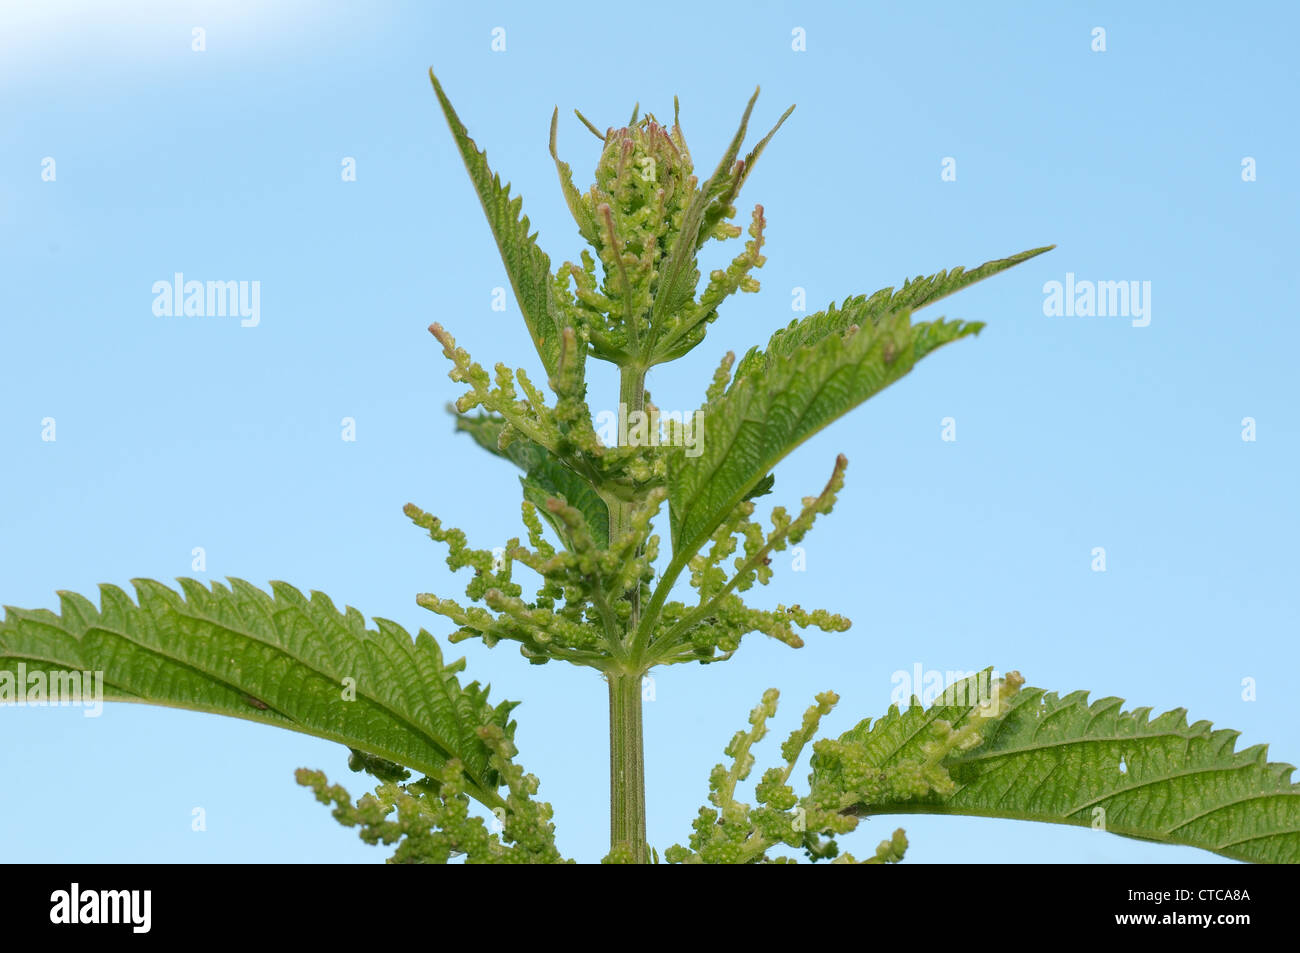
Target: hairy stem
x: 631, y: 398
x: 626, y: 741
x: 626, y: 766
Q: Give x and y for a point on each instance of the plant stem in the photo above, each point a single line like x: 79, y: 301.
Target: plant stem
x: 626, y: 739
x: 626, y: 766
x: 631, y: 398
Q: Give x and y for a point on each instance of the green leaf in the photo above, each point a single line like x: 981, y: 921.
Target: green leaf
x: 279, y: 658
x: 555, y: 480
x: 1064, y: 761
x: 528, y: 267
x: 733, y: 179
x: 763, y: 417
x: 587, y: 227
x: 679, y: 273
x: 861, y: 310
x: 762, y: 488
x: 544, y: 476
x: 812, y: 372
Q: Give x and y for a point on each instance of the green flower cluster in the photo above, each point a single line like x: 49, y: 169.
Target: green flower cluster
x: 846, y: 774
x: 711, y: 630
x: 430, y: 821
x: 646, y: 217
x: 581, y: 607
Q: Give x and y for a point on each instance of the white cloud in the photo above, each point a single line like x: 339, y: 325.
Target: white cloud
x: 45, y: 35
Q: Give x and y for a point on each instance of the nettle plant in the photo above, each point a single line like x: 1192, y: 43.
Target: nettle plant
x: 612, y: 590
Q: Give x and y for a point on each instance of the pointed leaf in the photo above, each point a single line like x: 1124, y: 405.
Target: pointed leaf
x: 545, y: 476
x: 862, y: 309
x: 279, y: 658
x: 678, y: 273
x: 587, y: 227
x: 765, y: 416
x: 1064, y: 761
x: 528, y: 267
x: 719, y: 207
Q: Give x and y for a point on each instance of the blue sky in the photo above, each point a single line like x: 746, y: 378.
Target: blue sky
x: 1072, y: 432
